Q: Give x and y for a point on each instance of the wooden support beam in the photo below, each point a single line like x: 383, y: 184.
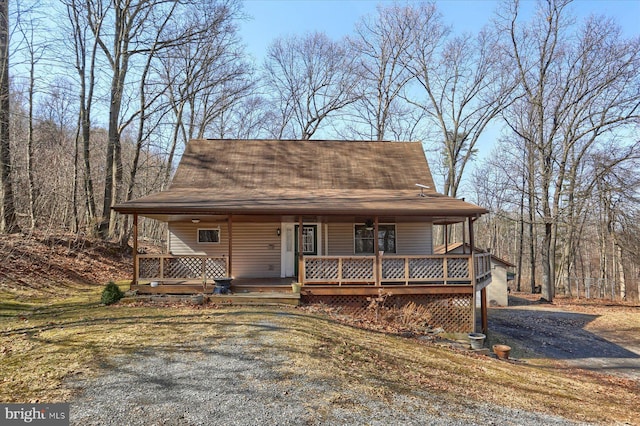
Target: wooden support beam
x: 300, y: 253
x: 464, y: 238
x: 376, y: 249
x: 136, y: 270
x: 446, y: 238
x: 230, y: 231
x: 472, y: 271
x: 483, y: 310
x: 368, y: 290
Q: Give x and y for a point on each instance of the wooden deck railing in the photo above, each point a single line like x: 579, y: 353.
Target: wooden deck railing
x: 483, y: 266
x: 169, y: 268
x: 418, y: 269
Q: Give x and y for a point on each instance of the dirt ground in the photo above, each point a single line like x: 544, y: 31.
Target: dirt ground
x: 599, y: 337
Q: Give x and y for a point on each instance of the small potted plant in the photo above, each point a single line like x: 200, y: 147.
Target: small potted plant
x: 476, y: 340
x: 502, y: 351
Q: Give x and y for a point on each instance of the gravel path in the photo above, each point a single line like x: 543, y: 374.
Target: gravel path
x: 239, y: 380
x: 562, y: 335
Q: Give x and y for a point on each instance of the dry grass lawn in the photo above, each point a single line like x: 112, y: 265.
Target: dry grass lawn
x: 45, y: 341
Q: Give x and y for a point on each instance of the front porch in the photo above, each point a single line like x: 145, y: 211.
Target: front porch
x: 198, y: 272
x: 445, y: 283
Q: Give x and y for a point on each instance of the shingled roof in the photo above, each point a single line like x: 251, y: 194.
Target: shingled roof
x: 302, y: 165
x: 301, y: 177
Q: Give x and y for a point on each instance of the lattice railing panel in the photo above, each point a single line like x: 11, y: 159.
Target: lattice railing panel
x: 215, y: 267
x: 149, y: 267
x: 357, y: 269
x: 426, y: 268
x: 393, y: 269
x: 183, y: 267
x: 321, y: 269
x: 458, y: 268
x: 451, y: 312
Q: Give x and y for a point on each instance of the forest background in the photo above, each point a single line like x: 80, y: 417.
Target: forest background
x: 98, y: 99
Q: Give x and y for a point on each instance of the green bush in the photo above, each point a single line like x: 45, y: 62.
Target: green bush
x: 111, y: 293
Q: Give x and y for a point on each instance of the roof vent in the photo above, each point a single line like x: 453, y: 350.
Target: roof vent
x: 422, y: 188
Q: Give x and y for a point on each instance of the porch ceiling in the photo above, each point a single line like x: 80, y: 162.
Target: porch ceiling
x: 335, y: 202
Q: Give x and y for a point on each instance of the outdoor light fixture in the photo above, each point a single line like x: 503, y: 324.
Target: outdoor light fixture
x: 368, y: 224
x: 195, y: 220
x: 278, y: 232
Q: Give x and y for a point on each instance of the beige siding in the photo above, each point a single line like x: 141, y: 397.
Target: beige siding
x: 497, y: 293
x: 256, y: 246
x: 183, y: 239
x: 340, y: 239
x: 414, y: 238
x: 411, y: 238
x: 256, y: 250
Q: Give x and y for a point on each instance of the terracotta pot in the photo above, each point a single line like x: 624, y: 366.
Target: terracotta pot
x: 502, y: 351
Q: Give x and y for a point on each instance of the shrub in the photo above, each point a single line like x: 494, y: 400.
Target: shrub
x: 111, y: 293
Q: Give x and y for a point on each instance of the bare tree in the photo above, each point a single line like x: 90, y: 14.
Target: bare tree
x: 311, y: 77
x: 35, y: 50
x: 570, y: 100
x: 382, y: 44
x: 135, y: 33
x: 8, y: 221
x: 464, y: 86
x: 85, y: 50
x: 205, y: 77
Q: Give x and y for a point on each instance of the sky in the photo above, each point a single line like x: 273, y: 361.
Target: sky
x: 269, y: 19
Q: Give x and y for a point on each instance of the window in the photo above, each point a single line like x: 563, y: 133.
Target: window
x: 209, y: 235
x: 363, y: 239
x: 309, y: 240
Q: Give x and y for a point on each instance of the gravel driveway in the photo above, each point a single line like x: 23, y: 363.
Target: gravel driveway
x: 560, y: 334
x: 240, y: 380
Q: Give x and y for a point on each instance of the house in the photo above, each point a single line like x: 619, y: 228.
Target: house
x: 268, y: 212
x: 498, y: 289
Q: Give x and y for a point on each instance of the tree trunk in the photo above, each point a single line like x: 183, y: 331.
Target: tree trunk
x: 8, y: 220
x: 520, y: 238
x: 30, y: 177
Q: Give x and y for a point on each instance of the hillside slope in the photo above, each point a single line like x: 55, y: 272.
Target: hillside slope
x: 43, y: 263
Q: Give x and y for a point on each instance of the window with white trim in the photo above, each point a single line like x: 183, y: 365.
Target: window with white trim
x: 363, y: 239
x: 208, y: 235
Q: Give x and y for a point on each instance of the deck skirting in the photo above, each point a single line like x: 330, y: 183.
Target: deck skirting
x: 450, y: 306
x: 452, y: 312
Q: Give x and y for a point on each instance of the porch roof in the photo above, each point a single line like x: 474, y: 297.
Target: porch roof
x: 276, y: 177
x: 299, y: 202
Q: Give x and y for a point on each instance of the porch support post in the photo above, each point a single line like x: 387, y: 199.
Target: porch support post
x: 464, y: 238
x: 446, y: 238
x: 376, y: 249
x: 230, y: 231
x: 300, y: 253
x: 472, y: 274
x: 134, y: 281
x: 483, y: 310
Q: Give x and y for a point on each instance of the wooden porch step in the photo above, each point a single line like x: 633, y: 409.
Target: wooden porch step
x: 280, y: 296
x: 258, y: 288
x: 169, y: 289
x: 273, y: 298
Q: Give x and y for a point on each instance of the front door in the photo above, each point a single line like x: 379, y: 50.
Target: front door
x: 309, y: 242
